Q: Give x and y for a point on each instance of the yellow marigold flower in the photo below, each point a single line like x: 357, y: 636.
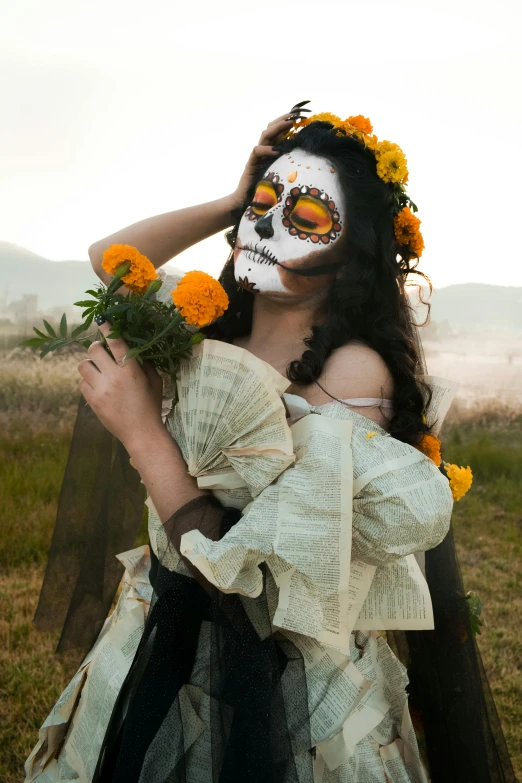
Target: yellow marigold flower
x: 141, y: 272
x: 352, y: 130
x: 199, y: 298
x: 386, y: 146
x: 407, y: 232
x: 325, y: 116
x: 460, y: 479
x: 391, y: 166
x: 371, y: 142
x: 430, y: 446
x: 361, y: 123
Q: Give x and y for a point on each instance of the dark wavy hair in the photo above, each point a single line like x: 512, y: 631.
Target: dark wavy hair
x: 367, y: 300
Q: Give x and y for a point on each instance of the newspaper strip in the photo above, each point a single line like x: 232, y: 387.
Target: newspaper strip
x: 443, y: 394
x: 81, y: 715
x: 380, y: 718
x: 399, y: 598
x: 230, y: 414
x: 301, y: 527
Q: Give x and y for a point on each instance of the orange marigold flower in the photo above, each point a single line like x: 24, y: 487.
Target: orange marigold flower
x: 141, y: 272
x: 430, y: 446
x: 199, y: 298
x: 391, y: 166
x: 407, y: 232
x: 361, y: 123
x: 460, y: 479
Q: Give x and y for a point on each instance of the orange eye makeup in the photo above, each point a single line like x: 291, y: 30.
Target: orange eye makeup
x: 264, y: 198
x: 267, y: 195
x: 311, y: 214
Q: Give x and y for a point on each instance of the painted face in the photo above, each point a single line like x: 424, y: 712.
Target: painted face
x: 294, y: 222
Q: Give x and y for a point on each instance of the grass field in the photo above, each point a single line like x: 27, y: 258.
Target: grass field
x: 38, y: 402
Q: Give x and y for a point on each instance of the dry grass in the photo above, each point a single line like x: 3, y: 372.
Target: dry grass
x: 38, y: 402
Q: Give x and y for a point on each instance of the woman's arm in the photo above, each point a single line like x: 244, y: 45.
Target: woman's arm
x: 159, y: 461
x: 162, y: 237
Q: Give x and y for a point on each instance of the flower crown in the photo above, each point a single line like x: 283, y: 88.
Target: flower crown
x: 391, y: 168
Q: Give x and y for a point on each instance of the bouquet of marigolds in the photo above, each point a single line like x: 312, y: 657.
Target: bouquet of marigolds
x: 159, y: 332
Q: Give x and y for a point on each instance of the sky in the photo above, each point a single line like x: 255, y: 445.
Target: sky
x: 114, y: 111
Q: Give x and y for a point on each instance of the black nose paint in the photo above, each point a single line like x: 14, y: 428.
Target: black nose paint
x: 264, y: 227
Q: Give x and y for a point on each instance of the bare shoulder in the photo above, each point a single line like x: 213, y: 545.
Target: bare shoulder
x: 355, y: 370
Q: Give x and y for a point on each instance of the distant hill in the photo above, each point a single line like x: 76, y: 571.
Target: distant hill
x: 57, y: 283
x: 478, y: 306
x: 469, y: 306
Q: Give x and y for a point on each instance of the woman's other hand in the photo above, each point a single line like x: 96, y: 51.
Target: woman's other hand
x: 272, y: 135
x: 127, y: 399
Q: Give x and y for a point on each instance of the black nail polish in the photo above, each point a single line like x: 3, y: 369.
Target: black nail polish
x: 100, y: 319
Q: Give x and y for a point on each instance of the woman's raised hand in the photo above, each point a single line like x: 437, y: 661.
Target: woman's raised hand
x: 265, y: 149
x: 127, y: 399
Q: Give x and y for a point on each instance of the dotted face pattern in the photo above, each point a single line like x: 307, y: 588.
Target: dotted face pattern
x: 309, y: 213
x: 269, y: 192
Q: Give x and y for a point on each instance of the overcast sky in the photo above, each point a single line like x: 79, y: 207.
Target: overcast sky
x: 114, y: 110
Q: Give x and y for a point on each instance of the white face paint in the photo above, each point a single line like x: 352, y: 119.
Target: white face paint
x: 295, y: 219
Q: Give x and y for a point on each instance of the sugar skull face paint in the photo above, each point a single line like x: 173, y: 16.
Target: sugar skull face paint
x: 292, y: 224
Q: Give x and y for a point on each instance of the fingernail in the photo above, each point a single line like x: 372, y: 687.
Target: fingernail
x: 100, y: 319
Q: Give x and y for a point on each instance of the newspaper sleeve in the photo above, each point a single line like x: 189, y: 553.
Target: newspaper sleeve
x: 301, y: 527
x: 417, y: 519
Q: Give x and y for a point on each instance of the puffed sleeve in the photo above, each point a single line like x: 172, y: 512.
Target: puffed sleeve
x: 402, y: 502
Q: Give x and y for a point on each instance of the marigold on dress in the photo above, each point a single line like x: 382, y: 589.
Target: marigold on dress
x: 141, y: 272
x: 430, y: 446
x: 460, y: 479
x: 406, y: 227
x: 199, y: 298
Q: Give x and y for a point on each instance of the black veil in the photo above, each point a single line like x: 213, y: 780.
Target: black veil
x: 258, y: 711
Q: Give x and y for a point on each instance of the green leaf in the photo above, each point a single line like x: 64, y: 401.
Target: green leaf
x: 87, y: 312
x: 41, y: 334
x: 475, y: 612
x: 53, y: 346
x: 132, y: 353
x: 34, y: 342
x: 63, y: 325
x: 92, y: 293
x: 50, y: 329
x: 86, y: 303
x: 79, y: 329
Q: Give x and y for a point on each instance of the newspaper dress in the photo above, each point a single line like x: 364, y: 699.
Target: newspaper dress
x: 247, y: 646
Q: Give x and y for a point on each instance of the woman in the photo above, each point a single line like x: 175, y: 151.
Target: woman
x: 316, y: 284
